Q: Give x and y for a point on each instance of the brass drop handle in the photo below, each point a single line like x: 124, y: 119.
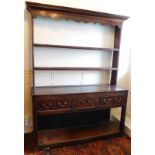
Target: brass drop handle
x: 47, y: 105
x: 85, y: 101
x: 62, y: 104
x: 118, y: 99
x: 107, y: 100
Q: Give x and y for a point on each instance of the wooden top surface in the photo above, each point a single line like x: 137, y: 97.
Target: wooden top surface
x: 57, y: 90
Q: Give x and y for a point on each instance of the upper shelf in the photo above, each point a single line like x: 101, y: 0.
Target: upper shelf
x: 76, y: 68
x: 59, y: 12
x: 76, y: 47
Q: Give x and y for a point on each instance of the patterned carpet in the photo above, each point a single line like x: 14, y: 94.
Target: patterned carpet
x: 112, y: 146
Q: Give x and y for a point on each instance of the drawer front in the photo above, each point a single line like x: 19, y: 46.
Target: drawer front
x: 60, y: 103
x: 54, y: 102
x: 86, y: 101
x: 65, y: 102
x: 112, y: 99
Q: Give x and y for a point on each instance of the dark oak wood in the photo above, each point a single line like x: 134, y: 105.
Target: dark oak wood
x: 122, y: 139
x: 59, y: 137
x: 59, y: 12
x: 84, y: 109
x: 123, y: 113
x: 82, y: 105
x: 77, y: 47
x: 32, y: 42
x: 115, y: 58
x: 29, y: 142
x: 60, y: 90
x: 32, y: 5
x: 34, y: 106
x: 76, y: 99
x: 70, y: 103
x: 72, y: 119
x: 76, y: 68
x: 35, y: 123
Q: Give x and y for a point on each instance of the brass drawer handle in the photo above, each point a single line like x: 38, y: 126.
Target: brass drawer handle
x: 62, y: 104
x: 47, y: 105
x: 118, y: 99
x: 85, y: 101
x: 107, y: 100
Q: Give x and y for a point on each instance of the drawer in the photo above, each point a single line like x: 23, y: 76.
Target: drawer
x: 54, y: 102
x: 112, y: 99
x: 86, y: 101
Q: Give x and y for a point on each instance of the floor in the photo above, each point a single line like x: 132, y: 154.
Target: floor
x: 120, y: 145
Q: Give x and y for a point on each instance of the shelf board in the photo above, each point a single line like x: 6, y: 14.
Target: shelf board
x: 76, y: 68
x: 76, y: 47
x: 58, y: 137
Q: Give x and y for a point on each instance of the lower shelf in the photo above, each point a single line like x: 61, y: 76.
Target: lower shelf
x: 59, y: 137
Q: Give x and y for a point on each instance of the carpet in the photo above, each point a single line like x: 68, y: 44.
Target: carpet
x: 111, y: 146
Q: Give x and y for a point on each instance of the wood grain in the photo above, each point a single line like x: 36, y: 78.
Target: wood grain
x: 60, y: 12
x: 76, y: 68
x: 70, y: 135
x: 76, y: 47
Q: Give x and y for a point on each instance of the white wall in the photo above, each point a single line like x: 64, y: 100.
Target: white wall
x: 72, y: 33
